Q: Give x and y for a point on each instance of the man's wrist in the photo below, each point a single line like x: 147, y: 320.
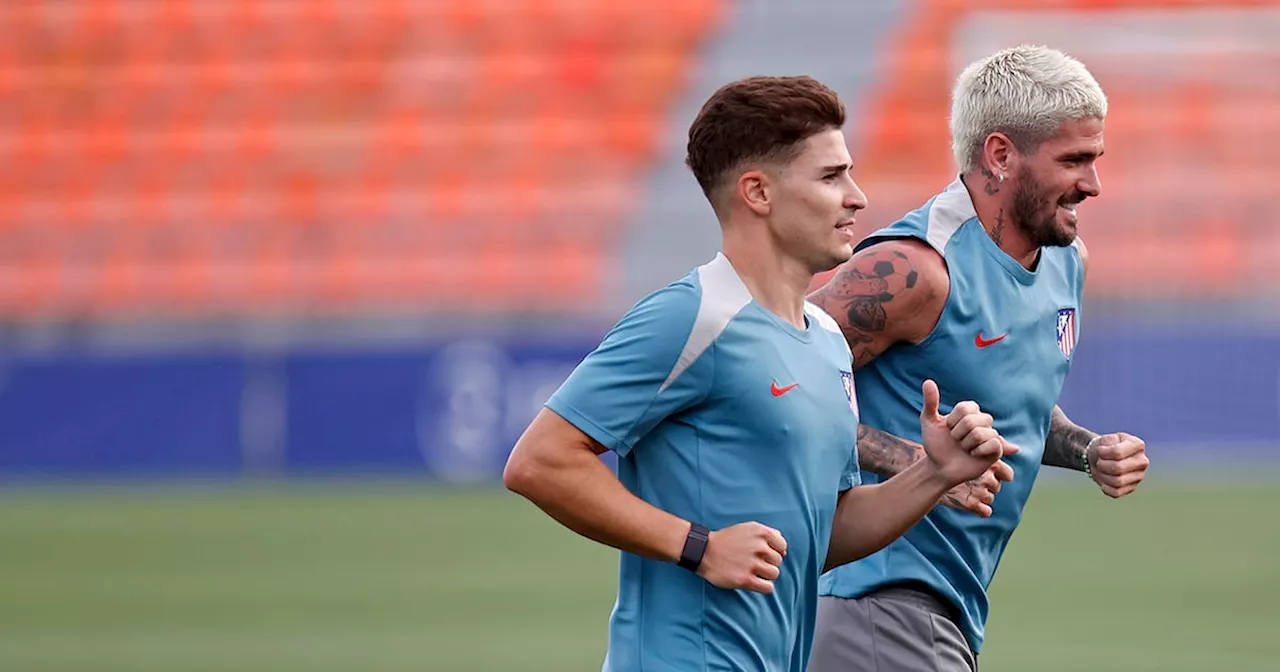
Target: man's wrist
x: 930, y: 475
x: 695, y: 547
x: 1086, y: 456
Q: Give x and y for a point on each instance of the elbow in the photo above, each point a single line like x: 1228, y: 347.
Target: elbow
x: 519, y: 474
x: 541, y: 466
x: 528, y: 471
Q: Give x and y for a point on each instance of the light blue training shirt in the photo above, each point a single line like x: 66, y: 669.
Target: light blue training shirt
x: 720, y: 413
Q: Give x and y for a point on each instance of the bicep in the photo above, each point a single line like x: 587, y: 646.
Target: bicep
x: 550, y: 445
x: 888, y: 293
x: 550, y: 435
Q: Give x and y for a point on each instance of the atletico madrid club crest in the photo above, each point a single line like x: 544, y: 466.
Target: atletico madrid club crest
x: 847, y: 378
x: 1067, y: 331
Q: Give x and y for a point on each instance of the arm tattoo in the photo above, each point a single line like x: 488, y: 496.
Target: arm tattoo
x: 858, y: 294
x: 1066, y: 443
x: 885, y: 454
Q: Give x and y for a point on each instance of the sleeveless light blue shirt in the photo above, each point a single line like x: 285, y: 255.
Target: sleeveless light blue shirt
x: 1004, y: 339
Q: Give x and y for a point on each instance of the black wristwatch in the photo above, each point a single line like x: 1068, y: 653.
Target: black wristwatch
x: 695, y: 545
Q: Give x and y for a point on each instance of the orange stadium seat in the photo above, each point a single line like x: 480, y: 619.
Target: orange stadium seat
x: 248, y: 157
x: 1191, y: 158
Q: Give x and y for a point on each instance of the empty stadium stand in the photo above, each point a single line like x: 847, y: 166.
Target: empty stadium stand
x: 299, y: 157
x: 192, y: 159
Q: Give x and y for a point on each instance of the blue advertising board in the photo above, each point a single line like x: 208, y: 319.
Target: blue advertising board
x: 453, y: 408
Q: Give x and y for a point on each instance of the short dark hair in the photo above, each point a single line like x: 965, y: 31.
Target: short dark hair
x: 758, y: 119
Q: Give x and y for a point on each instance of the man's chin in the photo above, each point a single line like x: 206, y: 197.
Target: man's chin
x: 838, y: 257
x: 1059, y: 236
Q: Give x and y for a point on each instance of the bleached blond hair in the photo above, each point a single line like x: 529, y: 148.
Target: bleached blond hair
x: 1025, y: 92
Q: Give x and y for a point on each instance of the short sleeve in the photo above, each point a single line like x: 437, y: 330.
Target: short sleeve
x: 643, y: 371
x: 852, y: 476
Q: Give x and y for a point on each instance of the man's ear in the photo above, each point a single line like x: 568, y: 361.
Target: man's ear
x: 755, y: 188
x: 999, y: 156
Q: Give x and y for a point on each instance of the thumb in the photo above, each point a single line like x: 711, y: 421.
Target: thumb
x: 930, y: 411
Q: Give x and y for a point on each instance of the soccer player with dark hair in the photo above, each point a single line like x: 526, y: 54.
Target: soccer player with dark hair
x: 730, y: 403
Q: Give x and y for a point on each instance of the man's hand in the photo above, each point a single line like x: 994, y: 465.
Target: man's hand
x: 1118, y: 462
x: 977, y: 495
x: 746, y: 555
x: 962, y: 445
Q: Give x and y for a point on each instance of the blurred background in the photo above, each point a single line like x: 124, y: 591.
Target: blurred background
x: 282, y: 281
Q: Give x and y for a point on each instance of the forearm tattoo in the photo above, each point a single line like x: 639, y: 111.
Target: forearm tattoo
x: 1066, y: 443
x: 885, y: 454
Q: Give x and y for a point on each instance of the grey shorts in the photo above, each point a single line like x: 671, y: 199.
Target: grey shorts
x: 891, y: 630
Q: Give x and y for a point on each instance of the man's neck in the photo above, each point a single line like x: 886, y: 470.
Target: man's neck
x: 990, y: 201
x: 777, y: 282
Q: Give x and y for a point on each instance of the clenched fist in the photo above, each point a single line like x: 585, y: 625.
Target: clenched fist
x: 746, y: 555
x: 962, y: 445
x: 1118, y: 462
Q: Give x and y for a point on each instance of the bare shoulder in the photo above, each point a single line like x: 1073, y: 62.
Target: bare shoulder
x: 887, y: 293
x: 930, y: 268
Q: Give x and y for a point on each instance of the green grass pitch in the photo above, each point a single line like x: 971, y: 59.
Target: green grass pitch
x: 408, y: 576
